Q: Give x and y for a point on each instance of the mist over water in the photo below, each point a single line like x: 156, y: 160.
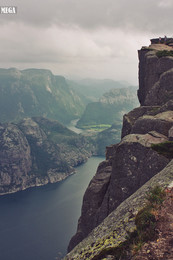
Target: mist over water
x: 38, y: 223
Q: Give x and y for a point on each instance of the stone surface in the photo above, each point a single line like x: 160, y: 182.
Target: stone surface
x: 116, y: 227
x: 170, y: 134
x: 130, y: 118
x: 161, y: 123
x: 133, y: 164
x: 162, y: 90
x: 37, y: 151
x: 15, y: 158
x: 155, y: 78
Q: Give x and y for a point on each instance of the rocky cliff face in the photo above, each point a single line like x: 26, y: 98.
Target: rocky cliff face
x: 133, y: 162
x: 155, y: 75
x: 38, y: 151
x: 37, y: 92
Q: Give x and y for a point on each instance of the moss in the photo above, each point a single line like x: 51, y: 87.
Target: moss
x: 145, y: 222
x: 165, y: 149
x: 164, y: 53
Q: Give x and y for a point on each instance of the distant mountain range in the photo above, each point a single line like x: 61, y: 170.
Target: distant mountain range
x: 93, y: 89
x: 110, y: 107
x: 37, y: 92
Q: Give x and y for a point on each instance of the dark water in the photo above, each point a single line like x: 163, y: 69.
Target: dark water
x: 38, y: 223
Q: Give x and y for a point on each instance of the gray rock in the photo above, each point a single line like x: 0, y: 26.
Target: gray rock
x: 38, y: 151
x: 133, y: 164
x: 116, y: 227
x: 130, y: 118
x: 15, y: 158
x: 162, y: 90
x: 155, y: 78
x: 170, y: 134
x: 160, y: 123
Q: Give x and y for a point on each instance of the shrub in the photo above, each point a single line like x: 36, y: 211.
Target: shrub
x: 165, y: 149
x: 164, y: 53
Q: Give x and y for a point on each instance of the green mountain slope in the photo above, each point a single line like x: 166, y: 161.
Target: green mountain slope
x: 37, y: 151
x: 92, y: 89
x: 110, y: 108
x: 37, y: 92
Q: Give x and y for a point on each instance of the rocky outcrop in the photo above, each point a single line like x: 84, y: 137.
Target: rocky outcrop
x: 115, y: 228
x: 155, y: 77
x: 15, y: 158
x: 38, y: 151
x: 133, y: 162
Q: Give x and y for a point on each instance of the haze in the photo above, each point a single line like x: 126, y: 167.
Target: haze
x: 82, y: 38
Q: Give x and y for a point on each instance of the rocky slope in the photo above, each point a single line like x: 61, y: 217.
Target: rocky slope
x: 37, y: 151
x: 132, y: 162
x: 37, y: 92
x: 110, y: 107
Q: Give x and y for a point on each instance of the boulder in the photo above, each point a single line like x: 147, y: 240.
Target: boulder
x: 160, y: 123
x: 130, y: 118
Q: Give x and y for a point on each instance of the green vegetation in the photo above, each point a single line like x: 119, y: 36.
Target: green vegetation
x: 35, y: 92
x: 110, y: 108
x: 164, y: 53
x: 145, y: 231
x: 165, y: 149
x: 109, y: 136
x: 100, y: 127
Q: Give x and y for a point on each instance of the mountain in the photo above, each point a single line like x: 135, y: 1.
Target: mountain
x: 115, y: 218
x: 37, y: 151
x: 93, y: 89
x: 37, y: 92
x: 107, y: 137
x: 110, y: 108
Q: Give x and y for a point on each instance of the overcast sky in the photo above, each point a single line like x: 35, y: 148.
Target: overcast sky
x: 82, y: 38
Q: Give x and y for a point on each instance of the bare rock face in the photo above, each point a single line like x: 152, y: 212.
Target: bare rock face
x: 15, y: 158
x: 162, y: 90
x: 143, y: 119
x: 161, y: 123
x: 115, y: 228
x: 133, y: 164
x: 155, y: 78
x: 37, y: 151
x: 130, y: 118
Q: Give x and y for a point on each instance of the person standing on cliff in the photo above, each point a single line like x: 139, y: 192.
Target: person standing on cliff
x: 165, y: 39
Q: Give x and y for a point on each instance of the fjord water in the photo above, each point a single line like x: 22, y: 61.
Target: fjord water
x: 38, y: 223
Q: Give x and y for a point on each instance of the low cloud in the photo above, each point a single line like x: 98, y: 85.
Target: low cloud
x: 89, y: 38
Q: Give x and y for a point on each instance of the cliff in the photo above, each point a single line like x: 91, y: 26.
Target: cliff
x: 138, y: 162
x: 37, y: 92
x: 37, y: 151
x: 110, y: 108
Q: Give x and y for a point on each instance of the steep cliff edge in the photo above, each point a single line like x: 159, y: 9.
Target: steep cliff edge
x: 37, y: 151
x: 133, y: 162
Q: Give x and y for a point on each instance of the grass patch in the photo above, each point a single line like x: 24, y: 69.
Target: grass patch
x: 165, y: 149
x: 164, y: 53
x: 99, y: 127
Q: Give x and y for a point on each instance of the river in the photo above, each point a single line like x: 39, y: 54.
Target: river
x: 38, y: 223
